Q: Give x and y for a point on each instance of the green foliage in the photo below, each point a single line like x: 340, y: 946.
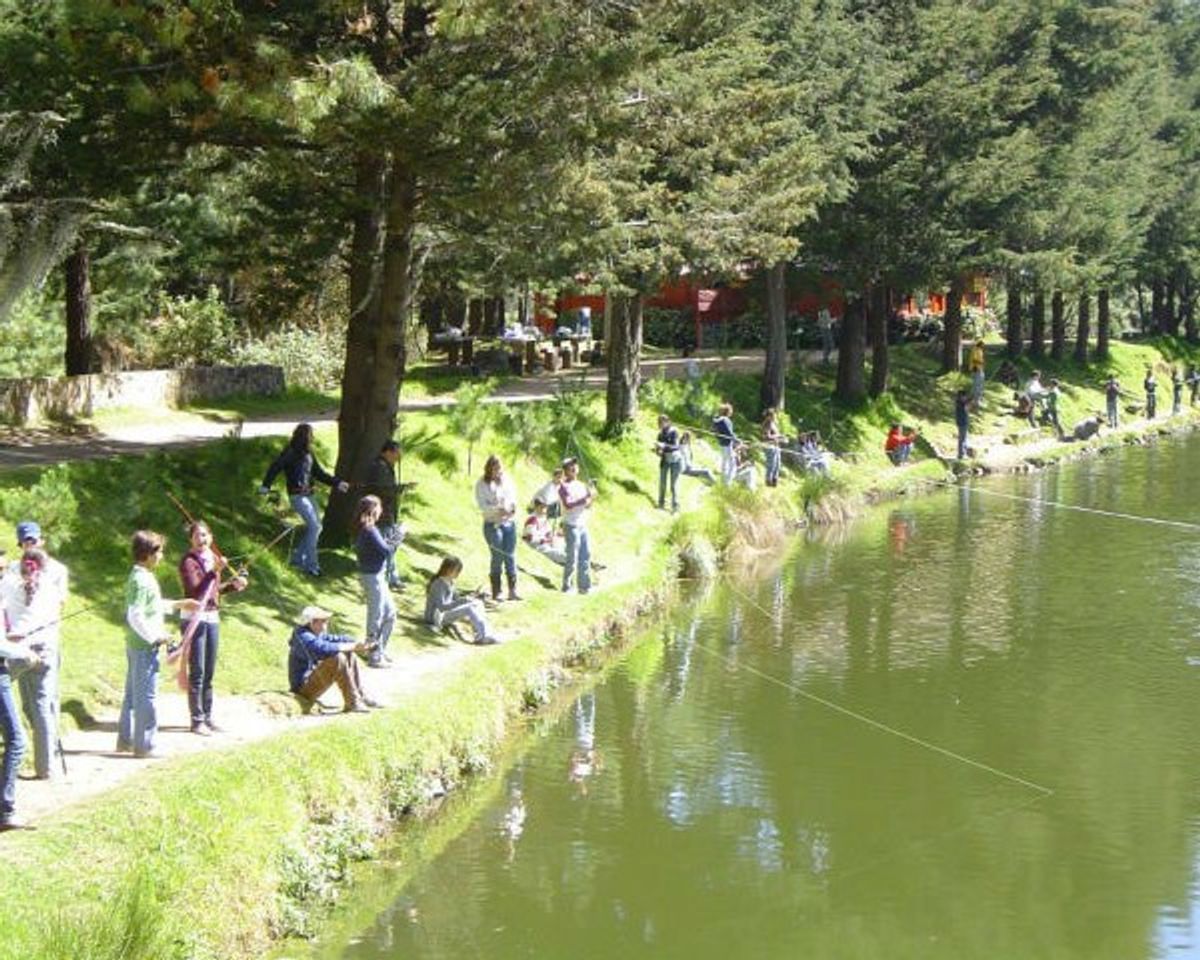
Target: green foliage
x: 312, y: 872
x: 312, y: 359
x: 32, y: 338
x: 130, y: 926
x: 661, y: 327
x: 471, y: 415
x: 188, y: 331
x: 50, y: 500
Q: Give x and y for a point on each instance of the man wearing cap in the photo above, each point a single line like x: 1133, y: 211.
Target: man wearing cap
x: 576, y: 498
x: 54, y: 576
x: 318, y: 659
x: 380, y: 481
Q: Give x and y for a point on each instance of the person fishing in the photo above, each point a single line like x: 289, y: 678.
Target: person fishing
x: 12, y: 654
x: 372, y: 551
x: 576, y: 498
x: 380, y: 481
x: 200, y: 572
x: 300, y: 468
x: 726, y: 441
x: 496, y: 498
x: 1150, y: 386
x: 445, y: 606
x: 670, y: 462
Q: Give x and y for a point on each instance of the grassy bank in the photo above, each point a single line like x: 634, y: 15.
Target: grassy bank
x: 208, y: 856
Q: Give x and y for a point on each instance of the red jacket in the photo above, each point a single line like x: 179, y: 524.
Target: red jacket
x: 196, y: 581
x: 896, y: 439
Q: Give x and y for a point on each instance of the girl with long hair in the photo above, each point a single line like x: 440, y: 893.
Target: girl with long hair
x: 373, y: 551
x: 444, y: 605
x: 497, y: 500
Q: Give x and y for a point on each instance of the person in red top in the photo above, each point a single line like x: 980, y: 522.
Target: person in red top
x: 200, y: 570
x: 898, y: 445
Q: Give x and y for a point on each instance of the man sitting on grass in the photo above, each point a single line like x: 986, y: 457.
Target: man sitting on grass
x: 318, y: 659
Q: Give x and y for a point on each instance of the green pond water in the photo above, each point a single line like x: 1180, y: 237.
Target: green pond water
x: 699, y: 802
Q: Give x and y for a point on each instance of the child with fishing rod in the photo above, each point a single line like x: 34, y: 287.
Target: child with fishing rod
x: 373, y: 551
x: 576, y: 498
x: 300, y: 468
x: 200, y: 571
x: 445, y: 606
x: 145, y: 610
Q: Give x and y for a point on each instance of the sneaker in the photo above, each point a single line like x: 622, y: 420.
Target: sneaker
x: 376, y: 663
x: 360, y: 707
x: 513, y: 595
x: 147, y: 754
x: 124, y: 747
x: 213, y: 728
x: 13, y: 822
x: 201, y: 730
x: 373, y: 704
x: 487, y: 641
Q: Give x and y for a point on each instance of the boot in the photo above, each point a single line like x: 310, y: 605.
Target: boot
x: 512, y: 588
x: 496, y: 587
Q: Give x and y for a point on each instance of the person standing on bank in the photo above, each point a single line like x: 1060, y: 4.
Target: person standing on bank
x: 771, y: 438
x: 670, y: 462
x: 1176, y: 391
x: 373, y: 551
x: 144, y: 612
x: 11, y: 655
x: 962, y: 420
x: 300, y: 469
x: 200, y: 572
x: 497, y: 500
x: 380, y: 481
x: 1150, y: 385
x: 976, y: 364
x: 1112, y: 399
x: 55, y: 575
x: 29, y: 607
x: 726, y: 441
x: 577, y: 499
x: 825, y: 327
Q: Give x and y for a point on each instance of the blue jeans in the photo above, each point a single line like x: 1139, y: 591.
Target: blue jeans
x: 774, y: 461
x: 202, y: 664
x: 1113, y: 417
x: 139, y: 721
x: 962, y: 441
x: 39, y: 700
x: 669, y: 469
x: 14, y: 746
x: 304, y: 555
x: 381, y: 611
x: 502, y: 541
x: 579, y: 556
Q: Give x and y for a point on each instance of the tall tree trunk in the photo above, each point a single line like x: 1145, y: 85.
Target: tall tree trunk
x: 1189, y: 311
x: 877, y: 321
x: 1037, y: 325
x: 375, y: 352
x: 1169, y: 314
x: 952, y: 325
x: 1141, y: 305
x: 490, y: 321
x: 1012, y: 326
x: 1157, y: 303
x: 775, y: 368
x: 1083, y: 328
x: 624, y: 362
x: 81, y: 346
x: 475, y: 316
x: 1103, y: 324
x: 1058, y: 326
x: 851, y: 375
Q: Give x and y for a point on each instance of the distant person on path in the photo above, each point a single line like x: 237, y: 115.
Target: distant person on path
x: 825, y: 328
x: 444, y: 606
x: 372, y: 550
x: 670, y: 462
x: 540, y: 534
x: 1176, y: 391
x: 29, y: 607
x: 899, y: 443
x: 976, y: 364
x: 689, y: 464
x: 497, y: 501
x: 1112, y: 399
x: 144, y: 612
x: 771, y: 438
x: 1150, y: 386
x: 726, y: 441
x: 380, y: 481
x: 299, y: 467
x: 200, y: 573
x: 962, y: 420
x: 318, y: 659
x: 577, y: 499
x: 1050, y: 398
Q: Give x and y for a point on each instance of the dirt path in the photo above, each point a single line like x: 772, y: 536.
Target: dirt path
x: 22, y: 447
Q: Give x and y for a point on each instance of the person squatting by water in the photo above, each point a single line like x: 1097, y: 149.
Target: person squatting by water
x: 300, y: 468
x: 200, y: 573
x: 726, y: 441
x: 670, y: 462
x: 380, y: 481
x: 144, y: 612
x: 318, y: 659
x: 372, y: 551
x: 444, y: 606
x: 497, y: 500
x: 771, y: 437
x: 576, y: 498
x: 898, y: 444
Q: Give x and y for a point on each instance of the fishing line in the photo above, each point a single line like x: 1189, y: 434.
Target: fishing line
x: 870, y: 721
x: 1182, y: 524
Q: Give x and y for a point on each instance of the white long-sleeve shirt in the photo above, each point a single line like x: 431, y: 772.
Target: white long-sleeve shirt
x: 32, y: 618
x: 497, y: 501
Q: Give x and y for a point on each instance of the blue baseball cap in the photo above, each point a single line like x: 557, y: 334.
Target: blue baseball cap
x: 28, y: 530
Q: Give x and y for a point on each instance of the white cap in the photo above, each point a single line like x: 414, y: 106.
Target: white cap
x: 311, y: 613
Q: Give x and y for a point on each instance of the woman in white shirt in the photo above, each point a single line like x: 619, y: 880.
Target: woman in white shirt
x: 497, y: 500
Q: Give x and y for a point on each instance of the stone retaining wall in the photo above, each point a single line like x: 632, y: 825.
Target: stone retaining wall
x: 63, y: 398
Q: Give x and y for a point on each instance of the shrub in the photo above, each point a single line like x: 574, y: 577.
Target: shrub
x: 187, y: 331
x: 310, y: 358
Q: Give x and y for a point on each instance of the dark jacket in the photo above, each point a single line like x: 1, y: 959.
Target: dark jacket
x: 299, y: 469
x: 372, y: 550
x: 307, y: 649
x: 723, y: 428
x: 196, y: 582
x: 380, y: 481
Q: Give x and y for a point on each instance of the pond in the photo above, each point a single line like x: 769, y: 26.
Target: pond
x: 964, y: 726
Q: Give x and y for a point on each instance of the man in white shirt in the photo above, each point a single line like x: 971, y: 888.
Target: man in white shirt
x: 576, y: 499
